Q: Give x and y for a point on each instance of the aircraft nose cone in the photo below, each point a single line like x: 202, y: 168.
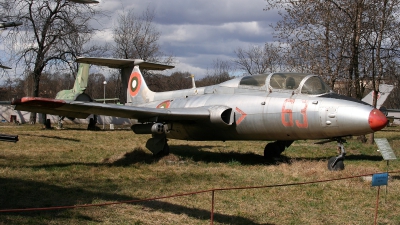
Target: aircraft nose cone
x: 377, y: 120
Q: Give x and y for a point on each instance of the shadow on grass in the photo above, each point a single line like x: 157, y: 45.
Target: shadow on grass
x: 17, y: 194
x: 196, y: 154
x: 51, y: 137
x: 138, y: 155
x: 97, y: 128
x: 186, y: 153
x: 395, y: 177
x: 364, y: 158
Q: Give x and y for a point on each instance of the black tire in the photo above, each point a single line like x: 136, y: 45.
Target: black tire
x: 163, y: 152
x: 272, y: 150
x: 337, y: 167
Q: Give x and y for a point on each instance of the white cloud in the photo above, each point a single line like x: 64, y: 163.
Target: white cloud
x: 196, y: 32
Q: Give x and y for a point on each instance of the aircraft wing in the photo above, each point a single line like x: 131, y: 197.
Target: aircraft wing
x: 79, y: 109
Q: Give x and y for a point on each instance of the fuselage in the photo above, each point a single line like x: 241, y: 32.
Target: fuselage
x: 279, y: 106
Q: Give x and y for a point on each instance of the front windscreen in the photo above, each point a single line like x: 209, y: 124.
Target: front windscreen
x: 314, y: 86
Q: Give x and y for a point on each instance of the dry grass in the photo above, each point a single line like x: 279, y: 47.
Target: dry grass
x: 75, y: 166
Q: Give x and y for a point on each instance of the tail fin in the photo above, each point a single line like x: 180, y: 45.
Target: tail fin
x: 79, y: 85
x: 138, y: 92
x: 384, y: 91
x: 81, y: 80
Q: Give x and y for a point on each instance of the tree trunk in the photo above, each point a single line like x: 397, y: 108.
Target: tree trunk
x: 35, y: 93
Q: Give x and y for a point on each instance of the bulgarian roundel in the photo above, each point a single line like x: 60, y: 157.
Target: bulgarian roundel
x: 134, y: 83
x: 164, y: 105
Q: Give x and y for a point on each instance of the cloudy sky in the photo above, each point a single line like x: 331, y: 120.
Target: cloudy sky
x: 197, y: 32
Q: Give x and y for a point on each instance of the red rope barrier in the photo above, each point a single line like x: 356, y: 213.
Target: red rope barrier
x: 184, y: 194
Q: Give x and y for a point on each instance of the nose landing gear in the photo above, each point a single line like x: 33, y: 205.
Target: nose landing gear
x: 336, y: 163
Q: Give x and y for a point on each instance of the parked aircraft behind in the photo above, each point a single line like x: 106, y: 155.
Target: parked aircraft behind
x: 77, y: 93
x: 279, y: 107
x: 384, y: 91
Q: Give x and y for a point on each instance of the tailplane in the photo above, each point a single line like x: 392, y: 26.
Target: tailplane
x: 137, y: 90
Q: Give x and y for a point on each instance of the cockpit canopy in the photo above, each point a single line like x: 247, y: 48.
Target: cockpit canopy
x: 298, y: 82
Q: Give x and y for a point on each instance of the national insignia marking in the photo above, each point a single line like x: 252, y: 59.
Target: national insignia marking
x: 164, y: 105
x: 134, y: 83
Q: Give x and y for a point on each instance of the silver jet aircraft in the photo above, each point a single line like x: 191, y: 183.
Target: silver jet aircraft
x: 279, y: 107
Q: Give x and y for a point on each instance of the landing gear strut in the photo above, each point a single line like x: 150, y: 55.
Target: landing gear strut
x: 165, y: 150
x: 336, y: 163
x: 158, y: 145
x: 274, y: 149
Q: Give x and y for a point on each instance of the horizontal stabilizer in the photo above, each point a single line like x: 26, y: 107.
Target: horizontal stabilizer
x: 123, y: 63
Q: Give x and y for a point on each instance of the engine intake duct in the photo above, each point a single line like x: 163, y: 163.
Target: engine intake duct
x: 150, y: 128
x: 221, y: 115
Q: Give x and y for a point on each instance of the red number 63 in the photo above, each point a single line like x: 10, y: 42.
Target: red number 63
x: 287, y: 114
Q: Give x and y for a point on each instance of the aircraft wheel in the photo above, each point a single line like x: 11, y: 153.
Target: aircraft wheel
x: 92, y: 124
x: 338, y: 166
x: 164, y: 151
x: 272, y: 150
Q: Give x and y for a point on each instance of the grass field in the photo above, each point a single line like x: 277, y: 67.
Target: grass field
x: 73, y: 166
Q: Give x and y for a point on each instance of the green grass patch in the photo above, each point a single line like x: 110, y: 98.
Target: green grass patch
x: 74, y: 166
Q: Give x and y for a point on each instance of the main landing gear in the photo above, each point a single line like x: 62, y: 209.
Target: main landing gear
x: 336, y: 163
x: 158, y: 145
x: 274, y: 149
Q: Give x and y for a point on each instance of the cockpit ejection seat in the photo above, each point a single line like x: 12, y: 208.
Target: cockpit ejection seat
x: 290, y: 83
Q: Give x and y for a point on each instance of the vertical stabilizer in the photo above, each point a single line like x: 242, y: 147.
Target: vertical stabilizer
x: 79, y: 85
x: 138, y: 92
x: 384, y: 91
x: 81, y: 80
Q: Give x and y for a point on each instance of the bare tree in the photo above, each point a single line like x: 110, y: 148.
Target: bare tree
x: 136, y: 37
x: 338, y: 38
x: 356, y: 38
x: 316, y: 38
x: 53, y: 34
x: 258, y: 59
x: 222, y: 71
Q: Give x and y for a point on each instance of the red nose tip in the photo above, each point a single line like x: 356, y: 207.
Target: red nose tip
x: 377, y: 120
